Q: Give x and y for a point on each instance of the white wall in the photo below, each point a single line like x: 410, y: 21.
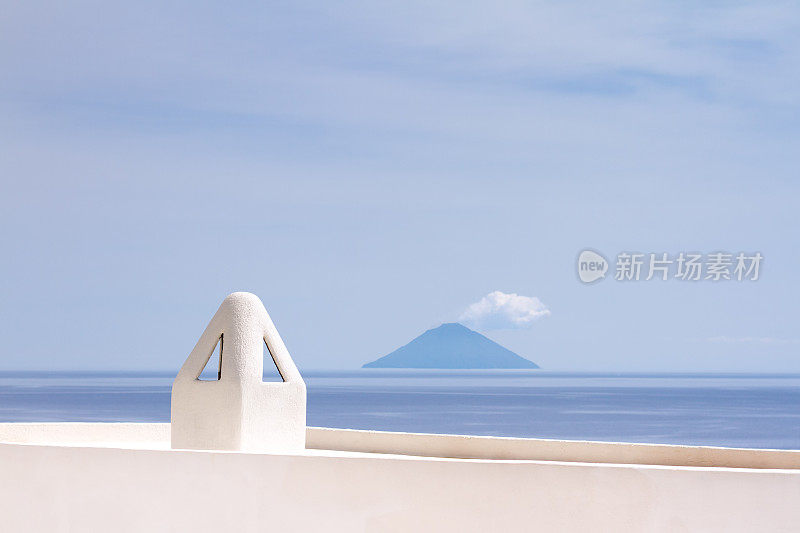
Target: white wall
x: 425, y: 445
x: 74, y: 488
x: 470, y: 447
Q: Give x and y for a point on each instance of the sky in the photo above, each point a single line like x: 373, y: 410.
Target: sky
x: 371, y: 170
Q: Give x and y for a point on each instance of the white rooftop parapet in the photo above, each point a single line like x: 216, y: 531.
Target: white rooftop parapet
x: 239, y: 411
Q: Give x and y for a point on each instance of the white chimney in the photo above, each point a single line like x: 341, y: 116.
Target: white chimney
x: 239, y: 411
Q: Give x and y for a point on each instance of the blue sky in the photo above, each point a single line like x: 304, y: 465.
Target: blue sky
x: 371, y: 170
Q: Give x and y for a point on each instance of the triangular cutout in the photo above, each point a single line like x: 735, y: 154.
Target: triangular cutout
x: 271, y: 372
x: 213, y: 369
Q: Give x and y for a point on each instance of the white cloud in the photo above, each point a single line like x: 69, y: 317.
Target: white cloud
x: 498, y: 310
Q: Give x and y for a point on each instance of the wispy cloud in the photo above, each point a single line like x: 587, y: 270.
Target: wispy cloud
x: 498, y: 310
x: 408, y: 66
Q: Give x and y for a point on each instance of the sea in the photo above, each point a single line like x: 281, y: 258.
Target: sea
x: 734, y: 410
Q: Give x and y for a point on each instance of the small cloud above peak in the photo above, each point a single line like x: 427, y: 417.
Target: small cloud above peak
x: 499, y: 310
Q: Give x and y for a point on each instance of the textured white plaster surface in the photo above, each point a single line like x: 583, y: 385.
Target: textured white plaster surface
x: 239, y: 411
x: 67, y: 485
x: 322, y: 441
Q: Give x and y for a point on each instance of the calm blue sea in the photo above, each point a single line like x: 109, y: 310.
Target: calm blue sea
x: 741, y: 410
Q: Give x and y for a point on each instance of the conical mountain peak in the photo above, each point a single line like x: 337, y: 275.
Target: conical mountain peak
x: 452, y: 345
